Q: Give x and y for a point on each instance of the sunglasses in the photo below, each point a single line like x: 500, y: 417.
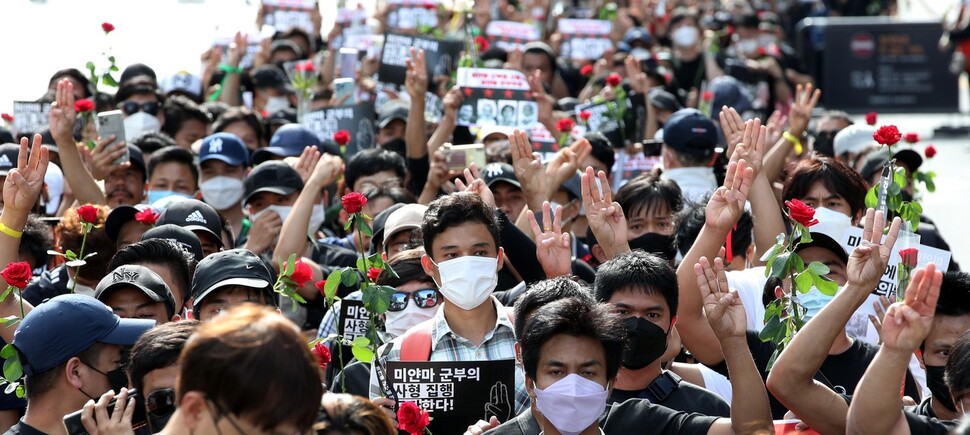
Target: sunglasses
x: 161, y: 402
x: 425, y: 298
x: 131, y: 107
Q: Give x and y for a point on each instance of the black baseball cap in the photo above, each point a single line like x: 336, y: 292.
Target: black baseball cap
x: 288, y: 141
x: 141, y: 278
x: 273, y: 176
x: 181, y: 237
x: 138, y: 69
x: 690, y: 131
x: 119, y: 216
x: 137, y: 160
x: 378, y: 224
x: 8, y: 157
x: 664, y: 100
x: 232, y: 267
x: 270, y: 76
x: 500, y: 171
x: 392, y: 111
x: 225, y: 147
x: 876, y: 160
x: 66, y: 325
x: 822, y: 240
x: 193, y: 215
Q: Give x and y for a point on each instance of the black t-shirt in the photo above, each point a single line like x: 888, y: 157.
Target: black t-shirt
x: 687, y: 397
x: 923, y: 425
x: 840, y: 372
x: 924, y: 408
x: 355, y: 379
x: 22, y: 428
x: 631, y: 416
x: 689, y: 74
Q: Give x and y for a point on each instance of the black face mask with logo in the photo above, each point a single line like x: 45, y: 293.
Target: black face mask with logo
x: 646, y: 342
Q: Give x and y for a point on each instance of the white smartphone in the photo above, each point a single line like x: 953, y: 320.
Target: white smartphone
x: 112, y: 123
x: 348, y: 62
x: 343, y: 91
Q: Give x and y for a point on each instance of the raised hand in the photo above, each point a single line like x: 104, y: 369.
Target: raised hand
x: 24, y: 183
x: 604, y: 216
x: 308, y: 161
x: 416, y: 77
x: 723, y: 306
x: 62, y: 115
x: 754, y: 139
x: 908, y: 323
x: 103, y: 160
x: 565, y: 163
x: 635, y: 75
x: 473, y: 183
x: 880, y: 308
x: 733, y: 127
x: 727, y: 202
x: 528, y: 169
x: 542, y: 99
x: 801, y: 109
x: 868, y: 260
x: 327, y: 169
x: 776, y: 125
x: 553, y: 249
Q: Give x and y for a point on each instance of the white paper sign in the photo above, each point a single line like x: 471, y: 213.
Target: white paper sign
x: 509, y: 35
x: 585, y: 39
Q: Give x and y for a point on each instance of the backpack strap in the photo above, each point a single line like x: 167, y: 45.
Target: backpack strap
x: 416, y: 342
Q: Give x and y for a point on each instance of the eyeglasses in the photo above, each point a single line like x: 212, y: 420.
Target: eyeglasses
x: 131, y: 107
x: 161, y: 402
x: 424, y: 298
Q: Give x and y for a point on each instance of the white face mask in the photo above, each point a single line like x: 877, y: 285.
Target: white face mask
x: 317, y: 216
x: 282, y: 210
x: 747, y: 46
x: 468, y: 281
x: 397, y: 322
x: 685, y: 36
x: 572, y: 403
x: 222, y: 192
x: 140, y: 123
x: 830, y: 222
x: 275, y: 104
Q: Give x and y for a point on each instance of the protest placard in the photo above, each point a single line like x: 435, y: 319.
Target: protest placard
x: 284, y: 15
x: 509, y: 35
x: 357, y: 119
x: 585, y: 39
x: 486, y: 389
x: 30, y: 117
x: 252, y: 41
x: 496, y: 97
x: 858, y: 325
x: 441, y: 57
x: 353, y: 320
x: 412, y: 14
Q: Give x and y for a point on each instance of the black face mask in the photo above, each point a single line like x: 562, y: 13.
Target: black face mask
x: 937, y: 386
x: 117, y: 379
x: 397, y: 145
x: 657, y: 244
x: 825, y: 143
x: 646, y: 343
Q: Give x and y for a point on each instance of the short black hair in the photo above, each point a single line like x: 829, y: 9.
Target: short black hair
x: 601, y: 149
x: 151, y: 142
x: 215, y: 109
x: 691, y: 219
x: 637, y: 270
x: 954, y: 295
x: 160, y: 252
x: 177, y: 155
x: 158, y: 348
x: 179, y: 109
x: 579, y: 318
x: 397, y: 194
x: 646, y: 192
x: 454, y: 210
x: 546, y: 292
x: 407, y: 268
x: 36, y: 240
x: 957, y: 372
x: 241, y: 114
x: 836, y: 176
x: 682, y: 13
x: 372, y: 161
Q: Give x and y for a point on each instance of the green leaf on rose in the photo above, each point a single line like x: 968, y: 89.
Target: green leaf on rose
x: 9, y: 321
x: 377, y: 298
x: 348, y: 277
x: 775, y: 249
x: 774, y: 330
x: 333, y: 282
x: 8, y: 351
x: 364, y: 228
x: 818, y: 268
x: 872, y: 197
x: 70, y: 255
x: 803, y: 282
x: 360, y: 347
x: 108, y: 80
x: 12, y: 370
x: 826, y: 286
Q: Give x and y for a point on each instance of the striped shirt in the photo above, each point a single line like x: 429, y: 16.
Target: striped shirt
x: 499, y: 343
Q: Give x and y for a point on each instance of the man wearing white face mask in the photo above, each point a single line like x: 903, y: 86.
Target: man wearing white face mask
x: 223, y: 164
x: 271, y: 189
x: 461, y: 238
x: 141, y: 104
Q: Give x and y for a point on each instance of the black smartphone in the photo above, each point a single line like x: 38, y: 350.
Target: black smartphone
x: 139, y: 420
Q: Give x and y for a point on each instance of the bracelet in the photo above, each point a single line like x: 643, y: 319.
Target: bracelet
x: 10, y: 231
x: 230, y: 69
x: 794, y: 140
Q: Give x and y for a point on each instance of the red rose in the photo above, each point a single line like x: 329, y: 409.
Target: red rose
x: 373, y: 273
x: 412, y: 419
x: 565, y: 125
x: 586, y: 70
x: 301, y: 273
x: 801, y: 213
x: 930, y: 151
x: 17, y: 274
x: 7, y: 117
x: 353, y: 202
x: 887, y: 135
x: 871, y: 118
x: 341, y: 137
x: 613, y: 79
x: 322, y: 353
x: 909, y: 256
x: 83, y: 105
x: 88, y: 213
x: 306, y: 66
x: 481, y: 43
x: 321, y: 285
x: 584, y: 115
x: 707, y: 95
x: 430, y: 6
x: 147, y: 216
x: 107, y: 27
x: 911, y: 138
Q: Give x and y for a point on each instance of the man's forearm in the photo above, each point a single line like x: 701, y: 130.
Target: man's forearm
x: 774, y: 159
x: 9, y: 253
x: 441, y: 134
x: 876, y: 407
x: 85, y: 188
x: 694, y: 330
x: 765, y: 211
x: 414, y: 133
x: 750, y: 411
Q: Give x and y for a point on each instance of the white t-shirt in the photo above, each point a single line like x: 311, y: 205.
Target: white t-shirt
x: 750, y: 284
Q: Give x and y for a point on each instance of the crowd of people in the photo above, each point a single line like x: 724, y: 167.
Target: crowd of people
x: 625, y: 271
